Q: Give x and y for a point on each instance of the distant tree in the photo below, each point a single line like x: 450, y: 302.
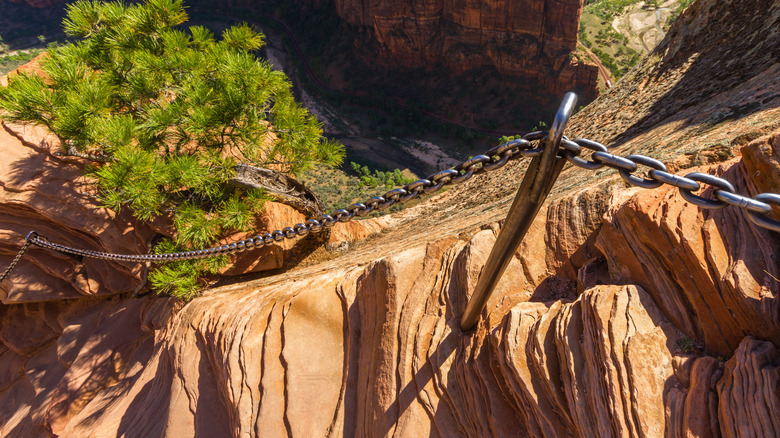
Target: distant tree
x: 165, y: 114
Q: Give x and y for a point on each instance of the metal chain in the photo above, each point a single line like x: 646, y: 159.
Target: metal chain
x: 493, y: 159
x: 27, y: 243
x: 757, y: 208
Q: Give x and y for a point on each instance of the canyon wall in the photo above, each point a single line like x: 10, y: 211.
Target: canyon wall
x: 625, y: 311
x: 528, y: 38
x: 39, y: 3
x: 531, y: 39
x: 368, y: 344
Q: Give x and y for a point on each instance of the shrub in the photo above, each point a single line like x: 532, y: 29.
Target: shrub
x: 165, y: 114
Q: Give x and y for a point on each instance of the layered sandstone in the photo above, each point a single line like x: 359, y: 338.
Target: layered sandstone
x: 368, y: 345
x: 528, y: 38
x: 624, y: 312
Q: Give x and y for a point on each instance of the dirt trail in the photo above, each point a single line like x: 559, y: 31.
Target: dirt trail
x: 603, y: 71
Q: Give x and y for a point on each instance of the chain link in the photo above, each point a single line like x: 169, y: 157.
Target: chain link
x: 27, y: 243
x: 724, y: 194
x: 757, y: 208
x: 493, y: 159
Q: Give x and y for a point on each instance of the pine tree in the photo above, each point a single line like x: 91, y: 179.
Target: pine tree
x: 166, y: 113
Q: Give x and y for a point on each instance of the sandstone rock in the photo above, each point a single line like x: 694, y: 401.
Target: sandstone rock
x: 681, y: 253
x: 97, y: 344
x: 47, y: 194
x: 749, y: 402
x: 529, y: 38
x: 371, y: 349
x: 761, y: 159
x: 680, y: 339
x: 357, y: 230
x: 693, y: 409
x: 389, y: 359
x: 597, y: 366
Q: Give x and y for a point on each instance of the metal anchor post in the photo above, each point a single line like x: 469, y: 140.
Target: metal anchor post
x: 539, y: 179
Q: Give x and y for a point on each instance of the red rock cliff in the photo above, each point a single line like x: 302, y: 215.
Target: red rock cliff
x: 531, y: 38
x: 526, y: 38
x: 39, y: 3
x: 625, y: 312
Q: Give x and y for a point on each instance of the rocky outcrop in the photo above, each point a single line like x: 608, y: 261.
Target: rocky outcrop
x: 599, y: 364
x: 651, y: 240
x: 528, y: 38
x: 624, y: 312
x: 757, y: 416
x: 48, y: 194
x: 390, y: 358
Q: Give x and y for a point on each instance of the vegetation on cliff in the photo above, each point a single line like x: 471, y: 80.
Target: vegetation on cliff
x: 164, y: 115
x: 620, y: 32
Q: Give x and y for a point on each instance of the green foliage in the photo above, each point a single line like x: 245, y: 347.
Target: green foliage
x: 508, y: 138
x: 583, y: 37
x: 379, y: 178
x: 680, y: 8
x: 341, y: 187
x: 11, y: 61
x: 181, y: 279
x: 539, y: 126
x: 169, y: 112
x: 607, y: 9
x: 687, y: 345
x: 609, y: 36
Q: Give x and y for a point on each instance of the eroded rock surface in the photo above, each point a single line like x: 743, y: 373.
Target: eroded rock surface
x: 46, y: 193
x: 624, y: 312
x: 374, y: 349
x: 530, y: 38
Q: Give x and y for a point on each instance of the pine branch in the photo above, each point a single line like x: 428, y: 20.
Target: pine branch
x: 98, y: 158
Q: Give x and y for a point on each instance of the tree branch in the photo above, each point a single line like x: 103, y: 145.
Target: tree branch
x: 279, y: 186
x: 100, y: 158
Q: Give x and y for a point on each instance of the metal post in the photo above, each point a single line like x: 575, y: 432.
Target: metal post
x: 539, y: 179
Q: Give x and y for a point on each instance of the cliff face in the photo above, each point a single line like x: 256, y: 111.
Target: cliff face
x: 368, y: 344
x: 529, y: 38
x: 39, y: 3
x: 625, y: 311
